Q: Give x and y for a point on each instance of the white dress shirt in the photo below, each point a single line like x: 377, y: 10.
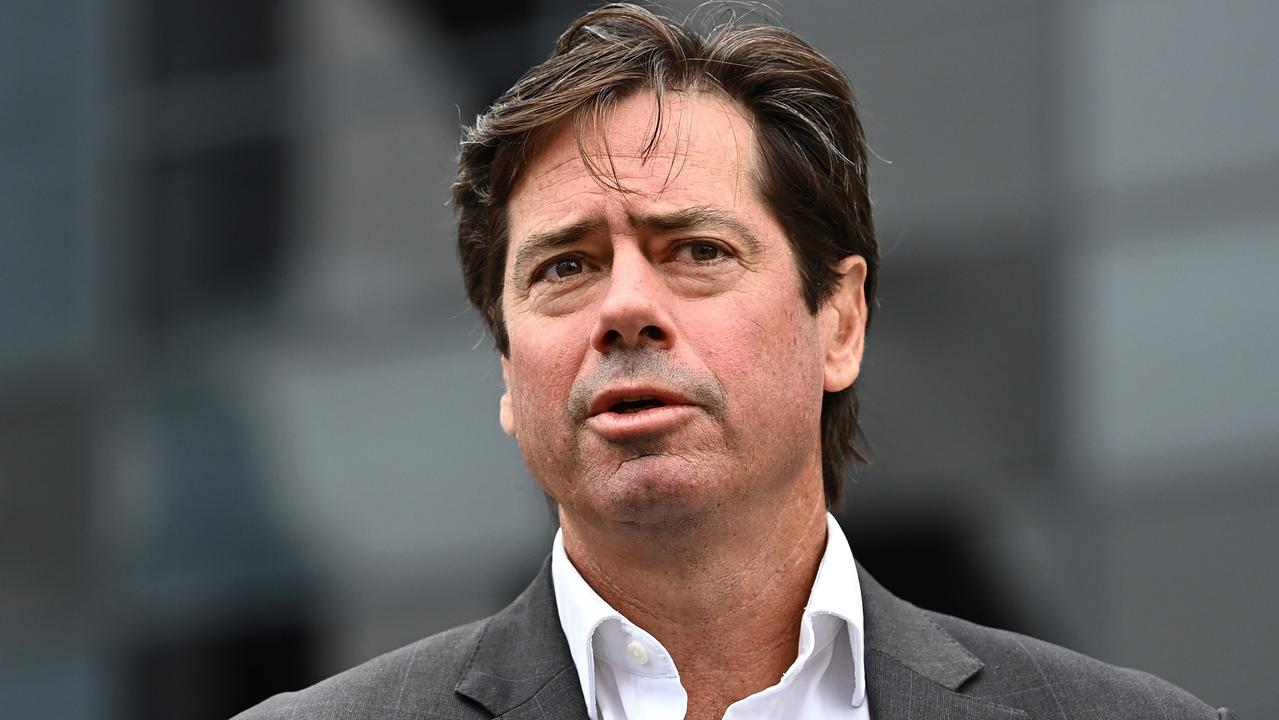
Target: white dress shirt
x: 626, y: 674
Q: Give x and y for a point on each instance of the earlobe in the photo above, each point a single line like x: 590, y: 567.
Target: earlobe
x: 845, y: 325
x: 504, y: 414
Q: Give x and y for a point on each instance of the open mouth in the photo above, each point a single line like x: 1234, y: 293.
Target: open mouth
x: 633, y: 405
x: 627, y: 414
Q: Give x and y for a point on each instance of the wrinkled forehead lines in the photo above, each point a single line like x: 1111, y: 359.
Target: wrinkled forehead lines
x: 691, y: 135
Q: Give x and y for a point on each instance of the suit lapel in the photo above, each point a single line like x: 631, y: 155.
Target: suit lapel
x: 914, y: 669
x: 521, y: 668
x: 559, y: 698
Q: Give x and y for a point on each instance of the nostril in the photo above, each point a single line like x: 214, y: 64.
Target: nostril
x: 652, y: 332
x: 628, y: 338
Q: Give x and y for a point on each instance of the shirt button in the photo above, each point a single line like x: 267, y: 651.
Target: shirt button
x: 637, y: 651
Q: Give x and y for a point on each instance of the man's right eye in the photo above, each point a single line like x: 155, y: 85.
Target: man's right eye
x: 561, y: 269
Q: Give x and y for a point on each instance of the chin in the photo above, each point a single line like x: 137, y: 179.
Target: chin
x: 658, y: 490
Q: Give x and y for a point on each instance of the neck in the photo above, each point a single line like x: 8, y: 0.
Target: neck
x: 723, y: 594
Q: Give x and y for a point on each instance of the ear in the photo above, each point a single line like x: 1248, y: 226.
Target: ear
x: 842, y: 319
x: 504, y: 414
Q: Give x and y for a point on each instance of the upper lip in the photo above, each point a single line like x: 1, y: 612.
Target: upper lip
x: 605, y: 400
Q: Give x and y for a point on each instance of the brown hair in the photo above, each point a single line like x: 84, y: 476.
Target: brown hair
x: 812, y: 154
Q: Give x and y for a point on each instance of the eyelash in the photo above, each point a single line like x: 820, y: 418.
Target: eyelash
x: 542, y: 273
x: 723, y: 251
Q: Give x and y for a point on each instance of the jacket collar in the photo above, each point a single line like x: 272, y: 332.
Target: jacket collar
x: 913, y: 667
x: 903, y: 632
x: 521, y: 667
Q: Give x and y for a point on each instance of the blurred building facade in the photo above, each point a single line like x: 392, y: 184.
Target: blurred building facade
x: 249, y: 422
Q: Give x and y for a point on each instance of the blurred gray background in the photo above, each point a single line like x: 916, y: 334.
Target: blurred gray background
x: 248, y: 427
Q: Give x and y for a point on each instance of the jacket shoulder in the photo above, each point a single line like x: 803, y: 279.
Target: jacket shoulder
x: 416, y: 680
x: 1040, y: 677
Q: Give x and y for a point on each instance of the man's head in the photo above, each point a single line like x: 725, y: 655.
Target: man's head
x: 634, y: 106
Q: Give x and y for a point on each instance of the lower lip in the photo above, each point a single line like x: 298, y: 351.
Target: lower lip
x: 643, y: 423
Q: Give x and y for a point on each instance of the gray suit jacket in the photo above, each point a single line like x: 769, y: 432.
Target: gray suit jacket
x: 919, y: 665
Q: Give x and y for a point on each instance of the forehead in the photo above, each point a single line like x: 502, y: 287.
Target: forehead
x: 698, y: 150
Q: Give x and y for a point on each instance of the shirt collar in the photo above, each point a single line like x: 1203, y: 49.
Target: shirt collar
x: 836, y: 592
x: 581, y: 611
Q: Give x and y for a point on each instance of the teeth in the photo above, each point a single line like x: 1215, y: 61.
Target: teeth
x: 636, y: 403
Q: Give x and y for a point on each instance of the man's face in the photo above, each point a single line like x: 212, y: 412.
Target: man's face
x: 662, y: 361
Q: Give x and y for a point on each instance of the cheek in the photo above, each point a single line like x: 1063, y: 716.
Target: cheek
x: 536, y: 378
x: 765, y: 359
x: 541, y: 376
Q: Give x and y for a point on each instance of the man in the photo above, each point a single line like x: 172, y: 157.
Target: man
x: 670, y: 238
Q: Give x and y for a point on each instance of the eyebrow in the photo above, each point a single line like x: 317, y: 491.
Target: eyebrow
x: 537, y: 244
x: 697, y: 217
x: 692, y: 218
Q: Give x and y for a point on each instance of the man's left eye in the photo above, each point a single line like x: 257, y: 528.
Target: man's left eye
x: 703, y: 252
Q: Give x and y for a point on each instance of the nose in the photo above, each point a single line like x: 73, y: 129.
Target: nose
x: 633, y: 311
